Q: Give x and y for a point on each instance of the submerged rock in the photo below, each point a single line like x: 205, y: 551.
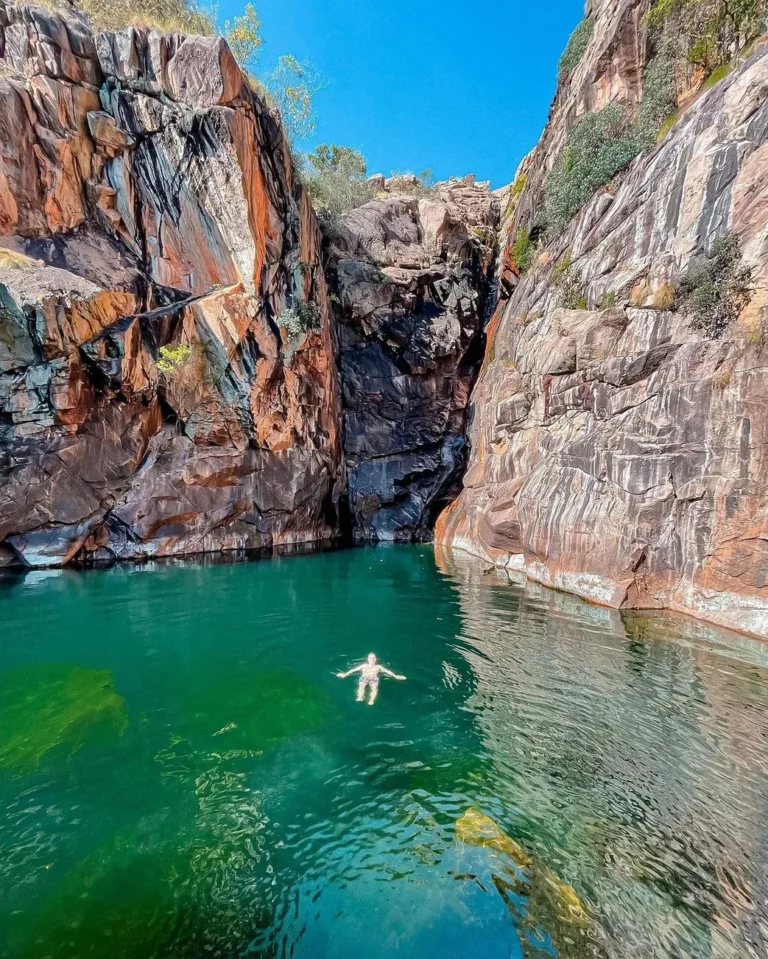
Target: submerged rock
x: 477, y: 829
x: 169, y: 886
x: 249, y: 711
x: 549, y: 913
x: 55, y: 708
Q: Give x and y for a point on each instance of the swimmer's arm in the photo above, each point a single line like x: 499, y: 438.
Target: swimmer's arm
x: 355, y: 669
x: 388, y: 672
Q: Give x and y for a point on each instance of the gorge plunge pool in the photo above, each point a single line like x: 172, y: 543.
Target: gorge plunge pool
x: 182, y: 774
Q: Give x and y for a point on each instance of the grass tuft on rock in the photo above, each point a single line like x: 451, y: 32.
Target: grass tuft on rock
x: 716, y: 287
x: 181, y: 16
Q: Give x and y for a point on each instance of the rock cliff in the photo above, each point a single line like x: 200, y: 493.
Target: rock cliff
x: 620, y: 452
x: 413, y: 282
x: 180, y: 370
x: 153, y: 237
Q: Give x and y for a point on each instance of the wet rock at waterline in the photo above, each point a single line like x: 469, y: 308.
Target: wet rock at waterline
x: 413, y: 281
x: 151, y: 403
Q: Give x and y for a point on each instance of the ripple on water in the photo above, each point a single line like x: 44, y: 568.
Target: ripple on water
x: 213, y: 789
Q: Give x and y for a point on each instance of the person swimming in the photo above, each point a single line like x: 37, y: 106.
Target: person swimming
x: 370, y: 671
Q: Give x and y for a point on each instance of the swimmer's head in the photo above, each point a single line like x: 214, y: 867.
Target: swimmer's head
x: 372, y: 658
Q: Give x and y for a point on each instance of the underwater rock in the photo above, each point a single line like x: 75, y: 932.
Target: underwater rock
x: 446, y: 773
x: 248, y: 711
x: 477, y: 829
x: 167, y: 887
x: 550, y: 913
x: 54, y: 707
x: 569, y: 906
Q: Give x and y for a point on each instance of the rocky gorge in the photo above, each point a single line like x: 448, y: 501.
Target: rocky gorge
x: 414, y: 281
x: 189, y: 364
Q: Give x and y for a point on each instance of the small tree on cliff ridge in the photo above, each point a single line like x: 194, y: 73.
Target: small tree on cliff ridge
x: 292, y: 87
x: 336, y: 179
x: 243, y: 34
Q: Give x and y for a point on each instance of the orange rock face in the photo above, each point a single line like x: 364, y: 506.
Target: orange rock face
x: 151, y: 235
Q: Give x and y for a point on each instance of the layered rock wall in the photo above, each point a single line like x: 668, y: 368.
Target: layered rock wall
x: 152, y: 233
x: 619, y: 453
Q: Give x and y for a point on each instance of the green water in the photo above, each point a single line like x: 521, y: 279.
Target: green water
x: 183, y: 775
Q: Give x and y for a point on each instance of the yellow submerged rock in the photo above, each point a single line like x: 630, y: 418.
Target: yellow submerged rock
x: 477, y: 829
x: 568, y: 905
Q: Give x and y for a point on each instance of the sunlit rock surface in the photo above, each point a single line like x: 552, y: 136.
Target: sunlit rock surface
x: 148, y: 200
x: 413, y: 276
x: 620, y: 453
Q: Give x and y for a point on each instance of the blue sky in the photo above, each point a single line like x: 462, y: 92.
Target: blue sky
x: 458, y: 86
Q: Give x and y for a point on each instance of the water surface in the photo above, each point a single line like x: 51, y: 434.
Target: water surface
x: 182, y: 774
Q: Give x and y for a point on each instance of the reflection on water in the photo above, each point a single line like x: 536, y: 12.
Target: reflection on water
x: 552, y: 779
x: 635, y: 748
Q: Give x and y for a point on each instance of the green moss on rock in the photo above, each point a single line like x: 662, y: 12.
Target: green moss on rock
x: 52, y: 707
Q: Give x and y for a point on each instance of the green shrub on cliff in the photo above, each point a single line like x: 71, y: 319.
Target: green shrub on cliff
x: 659, y: 101
x: 575, y: 48
x: 519, y: 185
x: 573, y: 292
x: 336, y: 179
x: 604, y: 142
x: 172, y: 358
x: 706, y: 33
x: 716, y: 287
x: 299, y: 319
x: 599, y: 146
x: 523, y: 250
x: 607, y: 300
